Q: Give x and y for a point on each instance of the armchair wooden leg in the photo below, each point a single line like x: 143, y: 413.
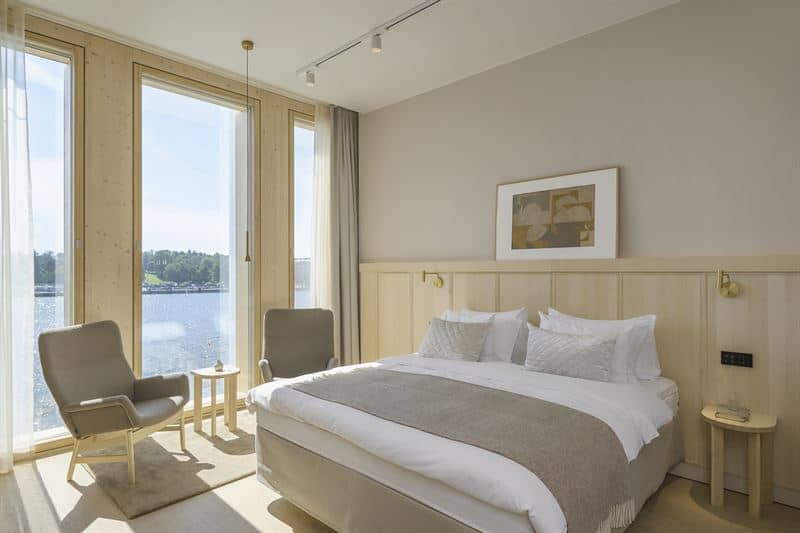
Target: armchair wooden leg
x: 75, y: 450
x: 131, y: 463
x: 183, y: 433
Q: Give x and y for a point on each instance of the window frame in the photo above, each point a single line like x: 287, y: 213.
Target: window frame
x: 306, y: 121
x: 54, y: 49
x: 197, y: 89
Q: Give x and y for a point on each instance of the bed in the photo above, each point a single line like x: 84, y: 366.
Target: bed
x: 358, y: 472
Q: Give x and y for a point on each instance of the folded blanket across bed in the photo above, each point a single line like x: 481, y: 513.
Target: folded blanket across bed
x: 576, y: 455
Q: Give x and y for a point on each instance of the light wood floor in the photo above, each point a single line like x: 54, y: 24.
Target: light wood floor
x: 36, y: 498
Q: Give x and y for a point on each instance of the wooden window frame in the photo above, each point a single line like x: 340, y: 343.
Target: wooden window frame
x: 195, y: 88
x: 56, y: 49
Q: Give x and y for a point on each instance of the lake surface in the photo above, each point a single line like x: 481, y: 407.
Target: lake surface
x: 180, y: 332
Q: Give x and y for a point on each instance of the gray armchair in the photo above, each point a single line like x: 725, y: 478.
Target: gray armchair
x: 100, y: 400
x: 296, y: 342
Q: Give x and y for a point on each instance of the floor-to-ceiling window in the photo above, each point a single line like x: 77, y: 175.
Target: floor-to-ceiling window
x: 194, y: 209
x: 303, y: 206
x: 54, y: 201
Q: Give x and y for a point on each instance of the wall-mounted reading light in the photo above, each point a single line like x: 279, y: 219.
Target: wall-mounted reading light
x: 438, y: 282
x: 725, y: 286
x: 375, y: 44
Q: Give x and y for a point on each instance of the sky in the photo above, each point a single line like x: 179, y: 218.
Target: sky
x: 45, y: 85
x: 188, y: 160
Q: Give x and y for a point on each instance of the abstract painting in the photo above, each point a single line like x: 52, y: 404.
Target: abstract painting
x: 558, y: 217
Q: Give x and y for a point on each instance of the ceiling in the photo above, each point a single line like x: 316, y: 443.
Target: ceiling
x: 452, y: 40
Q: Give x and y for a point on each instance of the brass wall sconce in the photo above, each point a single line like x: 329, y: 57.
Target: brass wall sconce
x: 438, y: 282
x: 725, y: 286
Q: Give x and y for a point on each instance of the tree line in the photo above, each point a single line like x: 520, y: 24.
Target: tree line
x: 47, y: 267
x: 186, y: 267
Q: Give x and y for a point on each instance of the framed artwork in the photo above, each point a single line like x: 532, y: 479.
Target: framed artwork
x: 564, y: 217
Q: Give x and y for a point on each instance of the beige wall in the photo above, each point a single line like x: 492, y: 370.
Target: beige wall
x: 109, y: 179
x: 698, y: 103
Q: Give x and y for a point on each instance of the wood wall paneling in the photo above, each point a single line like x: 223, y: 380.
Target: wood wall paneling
x: 475, y: 291
x: 394, y: 314
x: 763, y: 320
x: 677, y: 301
x: 694, y: 324
x: 109, y: 186
x: 429, y: 302
x: 368, y: 309
x: 528, y: 290
x: 589, y: 295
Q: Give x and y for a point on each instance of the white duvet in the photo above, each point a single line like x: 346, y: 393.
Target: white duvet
x: 633, y: 413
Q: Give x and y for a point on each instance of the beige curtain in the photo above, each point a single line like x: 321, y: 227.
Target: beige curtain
x: 344, y: 174
x: 334, y: 265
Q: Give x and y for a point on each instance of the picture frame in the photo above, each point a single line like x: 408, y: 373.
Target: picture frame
x: 572, y: 216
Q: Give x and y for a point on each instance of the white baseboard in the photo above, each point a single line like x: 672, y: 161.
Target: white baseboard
x: 735, y: 483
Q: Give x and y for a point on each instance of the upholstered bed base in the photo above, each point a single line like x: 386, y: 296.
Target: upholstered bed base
x: 349, y: 501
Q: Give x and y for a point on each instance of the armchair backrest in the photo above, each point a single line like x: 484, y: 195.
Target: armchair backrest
x: 297, y: 341
x: 85, y: 362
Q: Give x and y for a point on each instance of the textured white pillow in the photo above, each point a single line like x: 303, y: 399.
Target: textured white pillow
x: 646, y: 364
x: 454, y: 340
x: 507, y: 337
x: 577, y: 356
x: 622, y: 366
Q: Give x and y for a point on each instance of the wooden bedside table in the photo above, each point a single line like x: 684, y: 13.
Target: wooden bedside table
x: 759, y: 456
x: 229, y: 406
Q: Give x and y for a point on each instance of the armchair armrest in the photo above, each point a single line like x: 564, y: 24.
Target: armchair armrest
x: 100, y: 415
x: 164, y: 386
x: 266, y: 370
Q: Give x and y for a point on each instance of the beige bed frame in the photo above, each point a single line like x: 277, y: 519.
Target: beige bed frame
x: 349, y: 501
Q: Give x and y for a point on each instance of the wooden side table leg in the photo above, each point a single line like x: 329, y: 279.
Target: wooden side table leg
x: 231, y: 387
x: 198, y: 404
x: 213, y: 407
x: 754, y: 473
x: 766, y: 468
x: 717, y: 466
x: 225, y: 401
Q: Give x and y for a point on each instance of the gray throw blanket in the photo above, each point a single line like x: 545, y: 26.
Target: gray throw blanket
x: 576, y: 455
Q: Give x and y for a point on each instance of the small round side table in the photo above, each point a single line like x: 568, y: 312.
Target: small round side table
x: 229, y: 374
x: 759, y: 429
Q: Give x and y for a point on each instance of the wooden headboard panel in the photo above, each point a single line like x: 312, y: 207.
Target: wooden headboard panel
x: 694, y: 324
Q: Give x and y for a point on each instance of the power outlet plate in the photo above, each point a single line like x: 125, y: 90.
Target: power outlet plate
x: 737, y: 359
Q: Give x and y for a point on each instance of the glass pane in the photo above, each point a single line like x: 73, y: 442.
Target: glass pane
x: 193, y: 219
x: 48, y: 88
x: 303, y: 207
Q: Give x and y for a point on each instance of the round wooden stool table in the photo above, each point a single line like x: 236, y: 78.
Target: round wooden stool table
x: 759, y: 429
x: 229, y: 374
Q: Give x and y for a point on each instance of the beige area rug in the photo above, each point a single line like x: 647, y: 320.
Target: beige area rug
x: 165, y: 474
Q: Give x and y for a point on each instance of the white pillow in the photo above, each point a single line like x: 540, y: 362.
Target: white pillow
x: 454, y: 340
x: 646, y: 366
x: 507, y: 336
x: 622, y: 366
x: 577, y: 356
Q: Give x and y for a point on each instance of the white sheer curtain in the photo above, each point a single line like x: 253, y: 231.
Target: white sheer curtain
x: 16, y: 244
x: 323, y: 255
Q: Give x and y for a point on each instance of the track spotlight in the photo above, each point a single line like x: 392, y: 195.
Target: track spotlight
x: 310, y: 81
x: 375, y: 43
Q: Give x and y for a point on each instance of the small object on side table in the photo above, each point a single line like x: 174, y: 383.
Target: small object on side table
x: 759, y: 429
x: 211, y: 373
x: 219, y: 366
